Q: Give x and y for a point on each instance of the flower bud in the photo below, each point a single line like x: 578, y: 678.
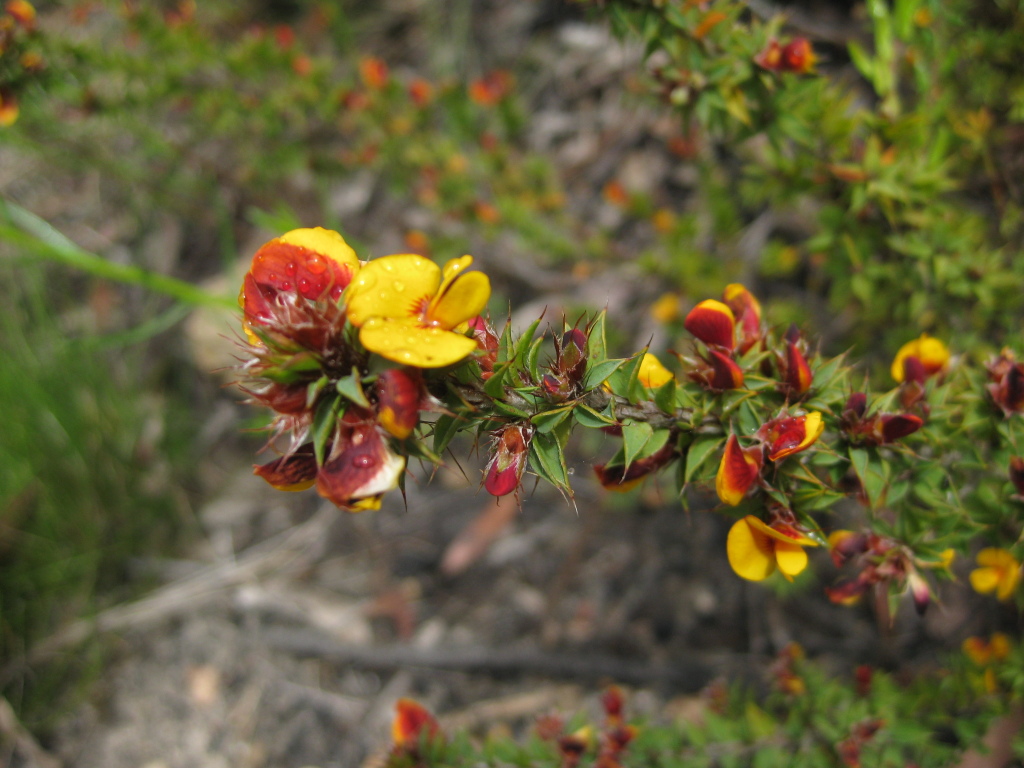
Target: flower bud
x: 399, y: 393
x: 508, y: 462
x: 713, y: 323
x: 295, y: 471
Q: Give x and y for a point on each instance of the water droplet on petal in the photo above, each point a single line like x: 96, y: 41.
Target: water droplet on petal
x: 389, y: 267
x: 286, y: 286
x: 316, y: 263
x: 366, y: 280
x: 398, y: 287
x: 364, y: 461
x: 304, y: 286
x: 290, y: 268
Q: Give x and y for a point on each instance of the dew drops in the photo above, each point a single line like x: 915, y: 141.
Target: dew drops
x: 316, y: 264
x: 364, y: 461
x: 336, y: 292
x: 388, y: 267
x: 367, y: 280
x: 286, y: 286
x: 304, y: 286
x: 398, y: 287
x: 291, y: 268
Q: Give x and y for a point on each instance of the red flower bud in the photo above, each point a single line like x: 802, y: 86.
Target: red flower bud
x: 771, y: 57
x: 856, y: 405
x: 798, y: 373
x: 487, y: 341
x: 713, y: 323
x: 295, y: 471
x: 890, y: 427
x: 399, y: 394
x: 508, y: 462
x: 1007, y: 386
x: 798, y: 56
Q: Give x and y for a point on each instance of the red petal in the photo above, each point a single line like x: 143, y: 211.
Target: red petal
x: 292, y: 269
x: 399, y: 393
x: 412, y: 719
x: 798, y: 373
x: 728, y: 375
x: 712, y: 322
x: 294, y: 472
x: 895, y: 426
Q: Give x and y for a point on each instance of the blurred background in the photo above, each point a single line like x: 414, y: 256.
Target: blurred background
x: 159, y: 606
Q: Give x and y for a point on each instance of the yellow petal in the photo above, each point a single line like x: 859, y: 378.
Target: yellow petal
x: 751, y: 553
x: 459, y: 300
x: 407, y: 343
x: 1009, y: 579
x: 997, y: 558
x: 652, y: 373
x: 790, y: 558
x: 399, y: 286
x: 984, y: 580
x: 323, y: 241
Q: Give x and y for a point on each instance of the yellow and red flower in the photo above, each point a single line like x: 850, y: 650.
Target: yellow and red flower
x: 739, y: 469
x: 878, y: 428
x: 785, y: 435
x: 313, y: 264
x: 412, y: 722
x: 756, y: 550
x: 713, y: 323
x: 356, y: 473
x: 999, y: 572
x: 411, y: 311
x: 747, y: 311
x: 920, y: 358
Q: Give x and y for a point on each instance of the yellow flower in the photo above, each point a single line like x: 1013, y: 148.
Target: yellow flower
x: 999, y: 573
x: 652, y: 373
x: 665, y: 309
x: 410, y: 311
x: 930, y: 353
x: 756, y: 550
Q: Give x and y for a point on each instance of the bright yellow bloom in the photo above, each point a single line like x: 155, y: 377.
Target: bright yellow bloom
x: 652, y: 373
x: 983, y: 652
x: 932, y: 354
x: 755, y: 550
x: 999, y: 573
x: 411, y: 311
x: 665, y: 309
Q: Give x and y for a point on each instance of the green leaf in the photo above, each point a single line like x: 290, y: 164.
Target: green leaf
x: 324, y: 420
x: 862, y: 60
x: 548, y: 460
x: 350, y: 388
x: 525, y: 341
x: 635, y: 435
x: 531, y: 358
x: 588, y: 417
x: 598, y: 373
x: 699, y: 452
x: 548, y: 420
x: 597, y: 347
x: 495, y: 386
x: 313, y: 390
x: 445, y: 428
x: 665, y: 396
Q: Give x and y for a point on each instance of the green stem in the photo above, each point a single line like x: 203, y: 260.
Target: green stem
x: 26, y: 231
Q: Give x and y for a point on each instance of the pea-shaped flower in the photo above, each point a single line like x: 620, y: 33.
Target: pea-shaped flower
x: 410, y: 311
x: 756, y: 550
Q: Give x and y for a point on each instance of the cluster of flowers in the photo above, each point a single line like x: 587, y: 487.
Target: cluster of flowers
x: 415, y: 730
x: 349, y: 353
x: 795, y: 56
x: 338, y: 351
x: 18, y: 60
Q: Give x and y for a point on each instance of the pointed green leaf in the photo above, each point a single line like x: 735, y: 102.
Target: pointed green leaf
x: 698, y: 453
x: 548, y: 461
x: 588, y: 417
x: 548, y: 420
x: 324, y: 420
x: 598, y: 373
x: 635, y: 435
x: 350, y: 388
